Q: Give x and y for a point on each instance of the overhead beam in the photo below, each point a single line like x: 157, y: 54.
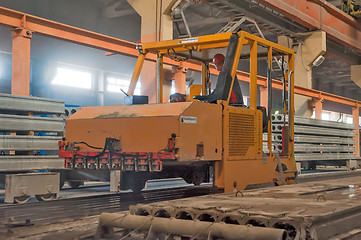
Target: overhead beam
x: 320, y: 15
x: 45, y: 27
x: 37, y: 25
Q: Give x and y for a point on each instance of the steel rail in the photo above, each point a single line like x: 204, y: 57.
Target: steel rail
x: 75, y: 208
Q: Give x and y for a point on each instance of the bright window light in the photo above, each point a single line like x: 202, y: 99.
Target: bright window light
x: 72, y: 78
x: 313, y: 114
x: 115, y: 84
x: 325, y: 116
x: 349, y: 120
x: 172, y: 89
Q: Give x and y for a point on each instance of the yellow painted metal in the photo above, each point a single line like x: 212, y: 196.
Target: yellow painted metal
x: 136, y: 73
x: 209, y: 42
x: 195, y: 90
x: 269, y: 132
x: 204, y: 79
x: 187, y: 43
x: 292, y: 109
x: 242, y: 161
x: 253, y: 76
x: 234, y: 140
x: 147, y: 128
x: 160, y: 78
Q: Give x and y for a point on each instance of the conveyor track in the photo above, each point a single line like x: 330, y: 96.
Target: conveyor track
x: 74, y: 208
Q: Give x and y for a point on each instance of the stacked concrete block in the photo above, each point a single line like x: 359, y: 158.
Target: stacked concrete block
x: 326, y: 142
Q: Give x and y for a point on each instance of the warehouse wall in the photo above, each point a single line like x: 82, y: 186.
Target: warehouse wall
x: 46, y: 53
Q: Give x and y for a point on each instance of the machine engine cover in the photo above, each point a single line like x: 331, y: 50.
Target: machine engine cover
x: 147, y: 128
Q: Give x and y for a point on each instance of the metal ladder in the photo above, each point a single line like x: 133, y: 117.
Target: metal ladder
x: 181, y: 25
x: 236, y: 23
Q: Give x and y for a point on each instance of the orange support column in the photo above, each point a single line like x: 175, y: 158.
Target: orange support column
x: 180, y: 79
x: 20, y: 83
x: 263, y: 97
x: 356, y: 117
x: 318, y: 108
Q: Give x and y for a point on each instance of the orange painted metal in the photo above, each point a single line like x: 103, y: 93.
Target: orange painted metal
x: 320, y: 15
x: 318, y: 108
x: 20, y: 84
x: 147, y: 128
x: 41, y: 26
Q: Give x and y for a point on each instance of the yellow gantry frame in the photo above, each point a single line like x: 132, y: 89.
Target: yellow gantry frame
x: 220, y: 41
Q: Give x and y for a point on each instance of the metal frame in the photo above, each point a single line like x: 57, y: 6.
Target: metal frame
x: 221, y: 40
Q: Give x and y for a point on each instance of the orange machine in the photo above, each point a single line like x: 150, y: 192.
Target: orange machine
x: 188, y: 139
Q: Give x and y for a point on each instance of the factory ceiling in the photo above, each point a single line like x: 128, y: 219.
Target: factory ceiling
x: 212, y: 16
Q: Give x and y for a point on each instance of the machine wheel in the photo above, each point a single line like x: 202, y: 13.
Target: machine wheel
x: 21, y: 199
x: 75, y: 184
x: 45, y: 197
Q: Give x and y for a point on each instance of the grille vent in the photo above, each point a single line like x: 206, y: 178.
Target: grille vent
x: 241, y: 133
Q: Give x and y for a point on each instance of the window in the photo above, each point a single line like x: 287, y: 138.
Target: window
x: 349, y: 120
x: 115, y: 84
x: 172, y: 89
x: 72, y: 78
x: 325, y: 116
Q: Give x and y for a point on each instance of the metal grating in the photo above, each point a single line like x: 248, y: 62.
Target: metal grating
x: 241, y: 133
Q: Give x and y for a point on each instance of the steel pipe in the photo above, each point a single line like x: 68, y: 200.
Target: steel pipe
x: 200, y: 229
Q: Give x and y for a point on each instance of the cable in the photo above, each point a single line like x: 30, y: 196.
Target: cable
x: 88, y: 145
x: 176, y: 58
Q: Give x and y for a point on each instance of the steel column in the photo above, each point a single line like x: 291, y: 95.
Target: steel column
x: 253, y: 77
x: 136, y: 73
x: 20, y: 83
x: 318, y: 108
x: 204, y: 79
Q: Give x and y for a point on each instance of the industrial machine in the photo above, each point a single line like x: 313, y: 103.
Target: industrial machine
x: 195, y: 139
x: 351, y: 7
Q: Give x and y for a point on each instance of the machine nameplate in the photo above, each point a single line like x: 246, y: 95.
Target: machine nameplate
x: 185, y: 119
x: 188, y: 40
